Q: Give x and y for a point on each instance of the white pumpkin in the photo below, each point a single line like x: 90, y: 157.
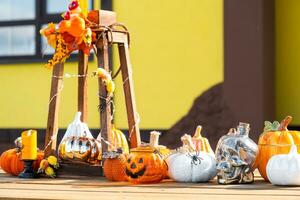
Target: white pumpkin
x: 284, y: 169
x: 187, y: 165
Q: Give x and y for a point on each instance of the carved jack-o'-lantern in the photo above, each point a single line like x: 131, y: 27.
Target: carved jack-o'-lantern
x: 145, y: 164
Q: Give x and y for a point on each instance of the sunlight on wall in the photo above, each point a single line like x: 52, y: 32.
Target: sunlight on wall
x: 176, y: 53
x: 287, y: 59
x: 25, y: 92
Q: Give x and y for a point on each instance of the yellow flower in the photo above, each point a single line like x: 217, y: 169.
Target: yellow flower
x: 110, y: 87
x: 88, y: 36
x: 43, y: 165
x: 50, y: 172
x: 61, y: 52
x: 52, y: 160
x: 103, y: 74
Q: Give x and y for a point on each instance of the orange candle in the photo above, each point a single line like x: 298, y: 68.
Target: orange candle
x: 29, y: 145
x: 84, y: 4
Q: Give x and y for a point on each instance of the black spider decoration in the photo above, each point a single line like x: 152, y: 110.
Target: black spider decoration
x: 195, y: 159
x: 103, y: 105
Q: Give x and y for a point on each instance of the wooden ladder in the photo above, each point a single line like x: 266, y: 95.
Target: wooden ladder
x: 106, y: 38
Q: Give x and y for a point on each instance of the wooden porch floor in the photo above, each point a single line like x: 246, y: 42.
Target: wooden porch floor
x: 74, y: 187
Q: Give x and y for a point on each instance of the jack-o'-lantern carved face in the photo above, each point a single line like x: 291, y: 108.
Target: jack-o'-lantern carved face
x: 145, y: 165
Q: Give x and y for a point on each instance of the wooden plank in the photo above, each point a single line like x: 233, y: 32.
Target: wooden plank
x: 139, y: 194
x: 105, y: 105
x: 52, y: 123
x: 83, y: 60
x: 132, y: 116
x: 71, y: 169
x: 102, y: 17
x: 91, y: 187
x: 118, y: 37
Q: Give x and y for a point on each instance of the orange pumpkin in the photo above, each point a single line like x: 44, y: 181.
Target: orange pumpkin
x: 275, y: 140
x: 93, y: 16
x: 11, y: 163
x: 75, y: 26
x: 145, y: 165
x: 64, y: 26
x: 114, y: 166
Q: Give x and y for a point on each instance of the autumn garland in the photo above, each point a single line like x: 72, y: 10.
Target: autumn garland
x: 61, y: 52
x: 71, y: 34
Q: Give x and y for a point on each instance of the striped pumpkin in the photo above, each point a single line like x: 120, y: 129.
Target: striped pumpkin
x: 11, y: 163
x: 201, y: 143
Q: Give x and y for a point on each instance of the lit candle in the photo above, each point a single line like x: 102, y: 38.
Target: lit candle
x: 84, y: 4
x: 29, y: 145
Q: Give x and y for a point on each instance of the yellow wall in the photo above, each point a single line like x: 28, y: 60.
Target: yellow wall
x: 25, y: 91
x: 176, y: 52
x: 288, y: 59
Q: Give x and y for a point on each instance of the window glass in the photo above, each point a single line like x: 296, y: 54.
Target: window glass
x: 46, y: 48
x: 60, y: 6
x: 17, y: 40
x: 17, y: 10
x: 20, y: 37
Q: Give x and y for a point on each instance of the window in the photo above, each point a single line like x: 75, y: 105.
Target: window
x: 20, y: 22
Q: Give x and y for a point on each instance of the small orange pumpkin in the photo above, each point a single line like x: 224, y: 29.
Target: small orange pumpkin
x: 275, y: 140
x: 11, y: 163
x: 114, y: 166
x: 64, y: 26
x: 146, y: 164
x: 74, y: 26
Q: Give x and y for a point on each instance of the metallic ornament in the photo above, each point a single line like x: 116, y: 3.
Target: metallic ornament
x: 235, y: 154
x: 78, y: 144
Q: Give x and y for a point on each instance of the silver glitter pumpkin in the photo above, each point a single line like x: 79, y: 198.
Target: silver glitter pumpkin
x: 78, y: 144
x: 235, y: 154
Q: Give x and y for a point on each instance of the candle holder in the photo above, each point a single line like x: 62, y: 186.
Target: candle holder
x: 28, y: 171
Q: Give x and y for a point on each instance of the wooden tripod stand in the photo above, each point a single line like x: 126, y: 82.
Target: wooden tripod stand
x: 105, y: 37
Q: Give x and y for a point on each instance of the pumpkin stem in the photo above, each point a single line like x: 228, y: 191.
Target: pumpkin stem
x: 293, y: 150
x: 197, y: 134
x: 284, y: 123
x: 77, y: 117
x: 154, y: 137
x: 187, y: 142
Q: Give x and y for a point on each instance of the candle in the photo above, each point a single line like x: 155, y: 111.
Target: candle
x: 84, y: 6
x: 29, y: 145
